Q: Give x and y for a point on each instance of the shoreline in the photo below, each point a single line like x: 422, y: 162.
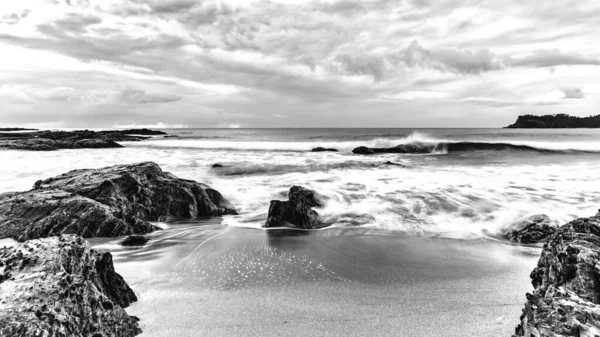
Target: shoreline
x: 203, y: 279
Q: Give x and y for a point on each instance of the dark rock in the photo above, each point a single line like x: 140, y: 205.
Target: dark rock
x: 536, y: 228
x: 566, y: 296
x: 216, y: 166
x: 322, y: 149
x: 171, y: 136
x: 55, y: 140
x: 297, y: 211
x: 558, y: 121
x: 61, y: 287
x: 112, y: 201
x: 16, y: 129
x: 134, y: 240
x: 363, y: 150
x: 393, y: 164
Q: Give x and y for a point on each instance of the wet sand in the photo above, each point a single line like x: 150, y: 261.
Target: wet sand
x: 205, y: 279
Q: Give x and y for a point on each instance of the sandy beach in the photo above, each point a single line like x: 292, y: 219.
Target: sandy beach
x: 199, y: 278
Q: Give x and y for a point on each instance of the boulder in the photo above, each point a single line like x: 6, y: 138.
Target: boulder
x: 363, y: 150
x: 134, y: 240
x: 297, y: 211
x: 111, y: 201
x: 534, y: 229
x: 61, y: 287
x: 322, y: 149
x: 566, y: 296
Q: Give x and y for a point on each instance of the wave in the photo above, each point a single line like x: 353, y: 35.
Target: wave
x: 413, y: 143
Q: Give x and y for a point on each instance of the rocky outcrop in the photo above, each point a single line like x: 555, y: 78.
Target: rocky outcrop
x: 112, y: 201
x: 447, y: 147
x: 322, y: 149
x: 558, y: 121
x: 566, y: 281
x: 60, y: 287
x: 534, y: 229
x: 134, y: 240
x: 55, y: 140
x: 297, y: 211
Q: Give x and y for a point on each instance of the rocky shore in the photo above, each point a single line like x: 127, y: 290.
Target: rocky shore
x: 108, y: 202
x: 297, y: 211
x: 55, y: 140
x: 566, y: 281
x: 59, y: 286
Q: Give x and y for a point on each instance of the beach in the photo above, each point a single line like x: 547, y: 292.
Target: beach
x: 206, y: 279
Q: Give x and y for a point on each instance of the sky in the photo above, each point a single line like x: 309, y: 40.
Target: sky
x: 295, y: 63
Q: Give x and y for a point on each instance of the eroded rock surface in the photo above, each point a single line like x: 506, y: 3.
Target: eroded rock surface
x: 534, y: 229
x: 297, y: 211
x: 61, y: 287
x: 112, y: 201
x: 566, y: 298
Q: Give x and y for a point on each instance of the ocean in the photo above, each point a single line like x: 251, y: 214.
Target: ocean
x: 414, y: 249
x: 465, y: 194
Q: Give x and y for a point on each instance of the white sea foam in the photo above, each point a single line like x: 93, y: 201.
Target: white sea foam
x: 432, y: 195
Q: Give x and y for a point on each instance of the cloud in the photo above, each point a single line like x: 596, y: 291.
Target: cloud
x: 552, y: 58
x: 573, y: 92
x: 76, y: 23
x: 11, y: 19
x: 138, y: 96
x: 24, y: 94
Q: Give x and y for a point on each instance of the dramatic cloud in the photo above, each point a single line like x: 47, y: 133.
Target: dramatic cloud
x: 218, y: 63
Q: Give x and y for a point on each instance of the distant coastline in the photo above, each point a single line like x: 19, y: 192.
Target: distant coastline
x: 16, y: 129
x: 558, y: 121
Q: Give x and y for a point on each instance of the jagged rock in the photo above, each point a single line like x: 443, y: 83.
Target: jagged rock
x: 536, y: 228
x: 60, y: 287
x: 112, y: 201
x: 134, y: 240
x: 55, y: 140
x: 322, y: 149
x: 297, y: 211
x: 566, y: 296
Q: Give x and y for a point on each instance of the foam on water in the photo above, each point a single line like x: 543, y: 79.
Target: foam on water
x: 454, y: 195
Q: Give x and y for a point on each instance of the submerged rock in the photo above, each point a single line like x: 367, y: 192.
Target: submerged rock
x: 111, y: 201
x: 61, y: 287
x: 134, y: 240
x: 536, y: 228
x: 566, y: 296
x: 322, y: 149
x: 297, y: 211
x: 217, y: 166
x: 393, y: 164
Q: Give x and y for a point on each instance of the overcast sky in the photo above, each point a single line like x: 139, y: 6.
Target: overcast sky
x: 295, y: 63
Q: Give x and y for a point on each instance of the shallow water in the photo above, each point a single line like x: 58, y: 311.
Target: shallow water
x: 205, y: 279
x: 469, y: 194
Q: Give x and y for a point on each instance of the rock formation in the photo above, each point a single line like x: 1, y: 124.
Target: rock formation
x: 54, y: 140
x: 558, y: 121
x: 297, y: 211
x: 322, y: 149
x: 112, y: 201
x: 566, y: 281
x: 536, y: 228
x: 60, y: 287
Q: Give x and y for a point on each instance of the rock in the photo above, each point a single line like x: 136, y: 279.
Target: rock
x: 363, y: 150
x: 55, y: 140
x: 566, y: 296
x: 393, y: 164
x: 216, y: 166
x: 297, y: 211
x: 61, y: 287
x: 134, y: 240
x: 536, y: 228
x: 112, y: 201
x: 322, y: 149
